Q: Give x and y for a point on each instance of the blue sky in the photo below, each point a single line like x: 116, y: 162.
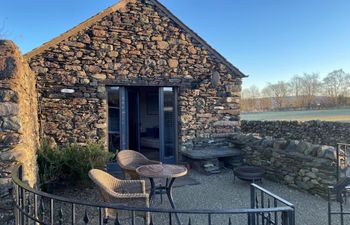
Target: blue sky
x: 269, y: 40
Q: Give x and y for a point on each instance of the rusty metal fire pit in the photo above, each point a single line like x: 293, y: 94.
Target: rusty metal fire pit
x: 249, y: 173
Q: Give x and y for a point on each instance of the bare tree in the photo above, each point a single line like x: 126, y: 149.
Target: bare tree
x: 251, y: 92
x: 310, y: 88
x: 347, y: 85
x: 299, y: 92
x: 279, y: 92
x: 250, y: 97
x: 266, y: 92
x: 266, y: 99
x: 295, y: 85
x: 336, y: 85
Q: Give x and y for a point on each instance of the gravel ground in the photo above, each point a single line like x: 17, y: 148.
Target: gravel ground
x: 218, y: 192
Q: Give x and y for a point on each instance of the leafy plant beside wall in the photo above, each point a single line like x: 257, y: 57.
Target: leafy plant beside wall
x: 70, y: 163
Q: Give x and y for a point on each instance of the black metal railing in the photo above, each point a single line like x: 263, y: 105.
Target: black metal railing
x: 36, y: 207
x: 338, y: 213
x: 261, y: 198
x: 339, y: 194
x: 342, y: 160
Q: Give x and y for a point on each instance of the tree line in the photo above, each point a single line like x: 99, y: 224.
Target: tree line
x: 305, y: 91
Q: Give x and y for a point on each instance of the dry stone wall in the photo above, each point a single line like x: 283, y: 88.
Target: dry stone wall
x: 316, y: 132
x: 18, y: 123
x: 136, y: 45
x: 299, y: 164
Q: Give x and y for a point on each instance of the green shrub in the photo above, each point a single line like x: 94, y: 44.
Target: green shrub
x: 71, y: 162
x: 49, y: 163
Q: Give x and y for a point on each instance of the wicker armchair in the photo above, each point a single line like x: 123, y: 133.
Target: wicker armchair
x: 130, y: 160
x: 130, y: 193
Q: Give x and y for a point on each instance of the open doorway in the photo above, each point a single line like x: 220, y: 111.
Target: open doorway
x: 147, y: 121
x: 143, y: 113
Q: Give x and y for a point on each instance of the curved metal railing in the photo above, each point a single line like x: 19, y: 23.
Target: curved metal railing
x: 36, y: 207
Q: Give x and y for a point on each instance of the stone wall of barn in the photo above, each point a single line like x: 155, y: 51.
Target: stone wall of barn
x: 137, y: 45
x: 18, y: 123
x: 316, y: 132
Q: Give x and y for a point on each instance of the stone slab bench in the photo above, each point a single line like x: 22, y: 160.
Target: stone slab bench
x: 212, y: 153
x: 206, y: 160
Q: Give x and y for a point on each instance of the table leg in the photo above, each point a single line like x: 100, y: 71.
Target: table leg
x: 161, y: 193
x: 168, y: 188
x: 153, y: 189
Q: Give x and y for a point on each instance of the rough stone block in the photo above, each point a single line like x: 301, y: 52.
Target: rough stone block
x: 326, y: 152
x: 232, y: 88
x: 8, y: 67
x: 5, y: 182
x: 292, y: 145
x: 113, y: 54
x: 93, y: 69
x: 10, y: 124
x: 173, y: 63
x: 163, y: 45
x: 192, y: 50
x: 215, y: 79
x: 102, y: 125
x: 330, y: 153
x: 232, y: 100
x: 311, y: 175
x: 280, y: 143
x: 186, y: 119
x: 289, y: 179
x: 99, y: 33
x: 304, y: 185
x: 10, y: 156
x: 304, y: 146
x: 9, y: 139
x: 126, y: 41
x: 99, y: 76
x: 8, y: 96
x: 157, y: 38
x: 8, y: 109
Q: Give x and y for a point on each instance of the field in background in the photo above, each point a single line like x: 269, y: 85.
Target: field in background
x: 342, y: 115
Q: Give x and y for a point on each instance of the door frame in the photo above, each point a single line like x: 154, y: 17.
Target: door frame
x: 161, y: 126
x: 124, y: 117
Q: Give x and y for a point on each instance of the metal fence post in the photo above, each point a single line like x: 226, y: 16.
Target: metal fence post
x: 329, y: 206
x: 22, y: 205
x: 16, y: 203
x: 288, y: 217
x: 292, y: 216
x: 284, y: 218
x: 251, y: 216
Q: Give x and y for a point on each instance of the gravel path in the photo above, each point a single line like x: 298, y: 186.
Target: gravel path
x: 219, y: 192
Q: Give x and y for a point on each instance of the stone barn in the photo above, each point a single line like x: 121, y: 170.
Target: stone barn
x: 135, y: 77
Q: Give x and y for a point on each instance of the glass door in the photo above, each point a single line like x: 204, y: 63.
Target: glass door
x: 118, y: 118
x: 113, y: 119
x: 168, y: 124
x: 117, y: 123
